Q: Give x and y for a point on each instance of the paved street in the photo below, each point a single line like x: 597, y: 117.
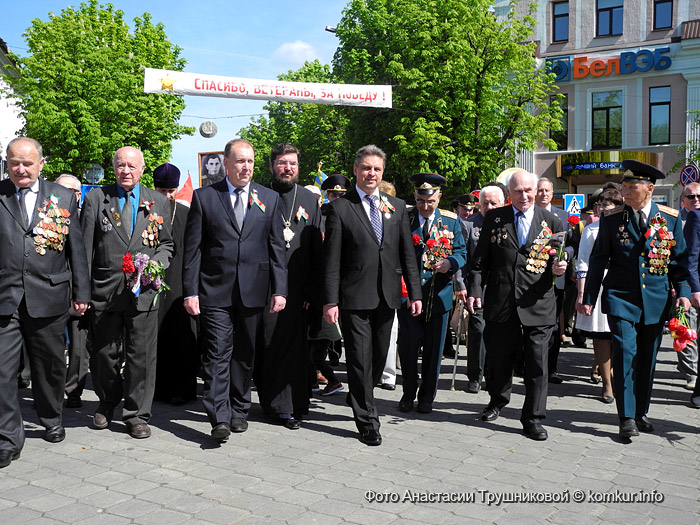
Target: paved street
x: 324, y: 474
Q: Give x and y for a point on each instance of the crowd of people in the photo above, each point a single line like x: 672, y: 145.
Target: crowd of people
x: 256, y: 284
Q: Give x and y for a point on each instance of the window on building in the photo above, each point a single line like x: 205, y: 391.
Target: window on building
x: 560, y: 21
x: 607, y: 120
x: 561, y: 137
x: 660, y: 115
x: 609, y: 17
x: 663, y: 14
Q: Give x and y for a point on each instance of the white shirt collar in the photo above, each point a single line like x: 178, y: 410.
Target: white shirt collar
x: 34, y: 188
x: 232, y: 188
x: 529, y: 214
x: 362, y: 193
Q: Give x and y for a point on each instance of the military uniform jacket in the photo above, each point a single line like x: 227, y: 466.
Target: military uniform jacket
x: 511, y: 279
x: 435, y: 283
x: 106, y: 243
x: 32, y: 265
x: 642, y: 266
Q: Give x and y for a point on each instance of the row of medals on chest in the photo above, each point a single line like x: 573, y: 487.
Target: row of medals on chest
x: 52, y: 230
x: 149, y: 235
x: 537, y: 258
x: 659, y: 251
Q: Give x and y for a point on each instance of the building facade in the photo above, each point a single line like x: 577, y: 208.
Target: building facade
x: 10, y: 120
x: 629, y: 72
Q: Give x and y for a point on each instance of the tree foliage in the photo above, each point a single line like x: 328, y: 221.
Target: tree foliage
x: 468, y: 95
x: 318, y: 130
x: 81, y: 88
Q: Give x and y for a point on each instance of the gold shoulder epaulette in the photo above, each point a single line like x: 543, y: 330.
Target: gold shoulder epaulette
x: 613, y: 211
x: 446, y: 213
x: 670, y: 211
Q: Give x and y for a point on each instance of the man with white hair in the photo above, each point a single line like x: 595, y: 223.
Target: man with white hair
x: 512, y: 270
x: 490, y: 197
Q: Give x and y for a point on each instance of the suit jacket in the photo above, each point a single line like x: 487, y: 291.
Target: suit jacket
x: 435, y: 283
x: 354, y: 258
x: 107, y: 243
x: 632, y: 289
x: 505, y: 270
x: 691, y: 233
x: 46, y: 281
x: 217, y: 253
x: 471, y: 230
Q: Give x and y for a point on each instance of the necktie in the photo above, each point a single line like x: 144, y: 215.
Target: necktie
x: 238, y: 208
x: 426, y: 229
x: 522, y: 233
x: 374, y: 217
x: 126, y: 214
x: 641, y: 219
x: 23, y: 206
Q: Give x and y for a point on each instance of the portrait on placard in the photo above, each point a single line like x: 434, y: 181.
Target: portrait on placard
x: 211, y: 168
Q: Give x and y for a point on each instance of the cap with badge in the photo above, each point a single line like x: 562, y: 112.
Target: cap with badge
x: 166, y: 176
x: 636, y: 171
x: 336, y: 184
x: 427, y: 183
x: 468, y: 201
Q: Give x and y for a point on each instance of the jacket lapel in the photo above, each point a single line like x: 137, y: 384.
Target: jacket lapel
x: 111, y: 208
x: 359, y: 209
x: 225, y: 198
x: 11, y: 202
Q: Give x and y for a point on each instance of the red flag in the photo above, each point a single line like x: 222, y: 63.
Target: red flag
x: 184, y: 196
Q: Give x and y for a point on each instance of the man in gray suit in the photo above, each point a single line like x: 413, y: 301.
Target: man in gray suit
x: 43, y: 269
x: 117, y: 219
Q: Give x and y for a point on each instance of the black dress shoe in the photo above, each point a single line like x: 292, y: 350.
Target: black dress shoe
x: 473, y: 387
x: 102, y: 418
x: 555, y: 379
x: 424, y: 408
x: 371, y: 438
x: 405, y: 405
x: 73, y: 402
x: 292, y: 423
x: 628, y: 428
x: 534, y: 430
x: 490, y: 414
x: 643, y: 424
x: 7, y: 456
x: 221, y: 432
x: 238, y: 424
x: 607, y: 399
x: 138, y: 430
x: 55, y: 434
x: 388, y: 386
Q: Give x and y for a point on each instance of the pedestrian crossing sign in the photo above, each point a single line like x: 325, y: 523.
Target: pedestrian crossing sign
x: 573, y: 203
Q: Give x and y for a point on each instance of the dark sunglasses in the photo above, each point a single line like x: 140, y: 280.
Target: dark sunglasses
x: 692, y: 197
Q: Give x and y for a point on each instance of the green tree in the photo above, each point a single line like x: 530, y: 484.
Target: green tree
x: 468, y: 95
x: 318, y: 130
x: 81, y: 88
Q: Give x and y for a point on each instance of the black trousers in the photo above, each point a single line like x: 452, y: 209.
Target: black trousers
x: 128, y: 337
x: 367, y: 334
x: 78, y: 356
x: 503, y: 340
x: 232, y: 335
x: 45, y: 341
x: 476, y: 349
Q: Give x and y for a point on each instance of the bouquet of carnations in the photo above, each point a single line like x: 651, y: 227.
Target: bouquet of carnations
x: 435, y: 249
x: 141, y: 270
x: 680, y: 330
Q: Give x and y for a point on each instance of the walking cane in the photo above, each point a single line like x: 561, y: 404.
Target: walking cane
x: 459, y: 337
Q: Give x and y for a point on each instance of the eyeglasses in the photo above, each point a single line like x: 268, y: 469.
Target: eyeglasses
x: 692, y: 197
x: 290, y: 163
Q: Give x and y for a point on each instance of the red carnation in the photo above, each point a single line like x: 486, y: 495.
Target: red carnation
x: 431, y: 243
x: 416, y: 239
x: 573, y: 220
x: 445, y: 241
x: 404, y: 290
x: 673, y: 324
x: 128, y: 264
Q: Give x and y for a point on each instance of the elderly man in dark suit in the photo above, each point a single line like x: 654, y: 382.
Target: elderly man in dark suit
x: 44, y: 269
x: 367, y: 249
x: 641, y: 245
x: 234, y: 259
x: 514, y: 265
x: 119, y: 219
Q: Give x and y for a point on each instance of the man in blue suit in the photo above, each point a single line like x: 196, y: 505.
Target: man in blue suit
x: 440, y: 252
x: 234, y: 255
x: 642, y: 246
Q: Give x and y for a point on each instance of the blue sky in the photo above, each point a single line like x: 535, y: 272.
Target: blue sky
x: 232, y: 38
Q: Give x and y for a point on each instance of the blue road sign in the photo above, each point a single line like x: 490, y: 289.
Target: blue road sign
x: 689, y: 174
x: 573, y: 203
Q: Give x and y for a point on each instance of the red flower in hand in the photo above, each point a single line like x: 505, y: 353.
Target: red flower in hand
x: 445, y: 241
x: 416, y: 239
x: 573, y: 220
x: 431, y: 243
x: 128, y: 264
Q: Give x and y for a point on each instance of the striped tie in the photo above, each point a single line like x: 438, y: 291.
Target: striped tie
x: 374, y: 217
